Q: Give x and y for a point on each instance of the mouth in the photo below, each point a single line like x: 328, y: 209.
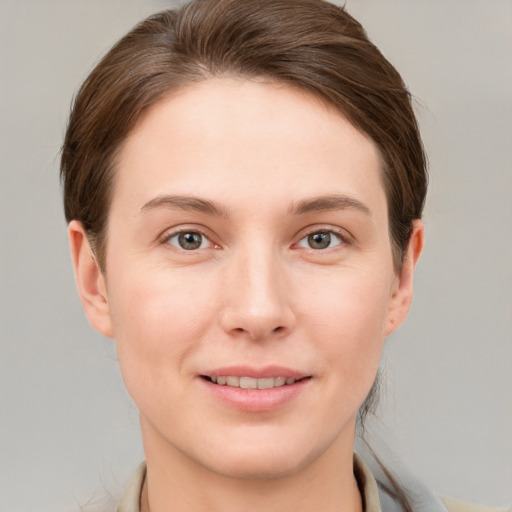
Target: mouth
x: 256, y: 390
x: 253, y: 383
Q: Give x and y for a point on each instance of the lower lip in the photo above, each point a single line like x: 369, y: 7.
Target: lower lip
x: 257, y: 400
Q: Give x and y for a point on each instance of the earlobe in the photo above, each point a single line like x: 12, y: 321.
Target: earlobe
x: 90, y: 280
x: 403, y: 292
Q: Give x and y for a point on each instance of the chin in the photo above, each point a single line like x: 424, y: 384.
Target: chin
x: 263, y: 466
x: 266, y: 459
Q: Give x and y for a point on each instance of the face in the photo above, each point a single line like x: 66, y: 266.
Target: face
x: 249, y: 280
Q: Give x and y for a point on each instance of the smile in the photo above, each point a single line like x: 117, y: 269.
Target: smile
x: 256, y: 390
x: 252, y: 383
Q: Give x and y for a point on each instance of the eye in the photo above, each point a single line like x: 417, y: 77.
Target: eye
x: 320, y: 240
x: 189, y: 240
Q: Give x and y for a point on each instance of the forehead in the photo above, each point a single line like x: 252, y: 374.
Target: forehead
x: 251, y: 136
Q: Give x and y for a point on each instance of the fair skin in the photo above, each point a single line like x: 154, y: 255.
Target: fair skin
x: 247, y: 237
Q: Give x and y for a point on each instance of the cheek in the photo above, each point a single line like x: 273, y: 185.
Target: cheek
x: 158, y: 320
x: 347, y: 316
x: 354, y: 303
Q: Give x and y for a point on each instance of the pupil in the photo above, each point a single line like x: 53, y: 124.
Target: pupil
x: 319, y: 240
x: 190, y: 240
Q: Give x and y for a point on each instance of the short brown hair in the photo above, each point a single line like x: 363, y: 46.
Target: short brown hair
x: 311, y: 44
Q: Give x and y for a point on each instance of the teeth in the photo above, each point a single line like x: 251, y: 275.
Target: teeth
x: 279, y: 381
x: 266, y: 383
x: 251, y: 383
x: 233, y: 381
x: 248, y: 383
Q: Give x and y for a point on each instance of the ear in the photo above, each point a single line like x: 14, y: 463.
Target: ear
x: 90, y: 280
x: 402, y: 292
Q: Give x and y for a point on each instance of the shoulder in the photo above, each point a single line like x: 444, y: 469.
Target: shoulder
x: 455, y: 505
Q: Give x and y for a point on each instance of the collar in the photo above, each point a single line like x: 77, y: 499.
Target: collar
x: 130, y: 502
x: 366, y: 481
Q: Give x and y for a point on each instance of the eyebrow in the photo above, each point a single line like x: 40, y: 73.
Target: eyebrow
x: 315, y: 204
x: 328, y: 203
x: 185, y: 203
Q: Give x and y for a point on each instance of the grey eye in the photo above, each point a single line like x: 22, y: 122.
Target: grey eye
x: 320, y: 240
x: 188, y: 240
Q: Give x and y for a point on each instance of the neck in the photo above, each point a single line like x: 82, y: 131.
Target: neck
x: 176, y: 482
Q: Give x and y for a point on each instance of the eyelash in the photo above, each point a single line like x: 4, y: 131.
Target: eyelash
x: 166, y: 239
x: 342, y: 238
x: 328, y: 236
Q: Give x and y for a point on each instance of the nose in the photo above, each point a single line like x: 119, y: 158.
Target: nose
x: 256, y: 298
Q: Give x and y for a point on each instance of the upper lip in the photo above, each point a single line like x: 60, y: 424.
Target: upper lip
x: 256, y: 373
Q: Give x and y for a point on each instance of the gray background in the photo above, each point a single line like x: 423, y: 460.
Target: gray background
x: 68, y: 429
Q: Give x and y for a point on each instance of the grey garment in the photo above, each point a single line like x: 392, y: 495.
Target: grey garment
x: 420, y: 498
x: 378, y: 496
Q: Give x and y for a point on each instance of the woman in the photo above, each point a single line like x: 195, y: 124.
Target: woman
x: 244, y: 183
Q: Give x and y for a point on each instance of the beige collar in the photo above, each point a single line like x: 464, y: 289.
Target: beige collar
x: 367, y: 484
